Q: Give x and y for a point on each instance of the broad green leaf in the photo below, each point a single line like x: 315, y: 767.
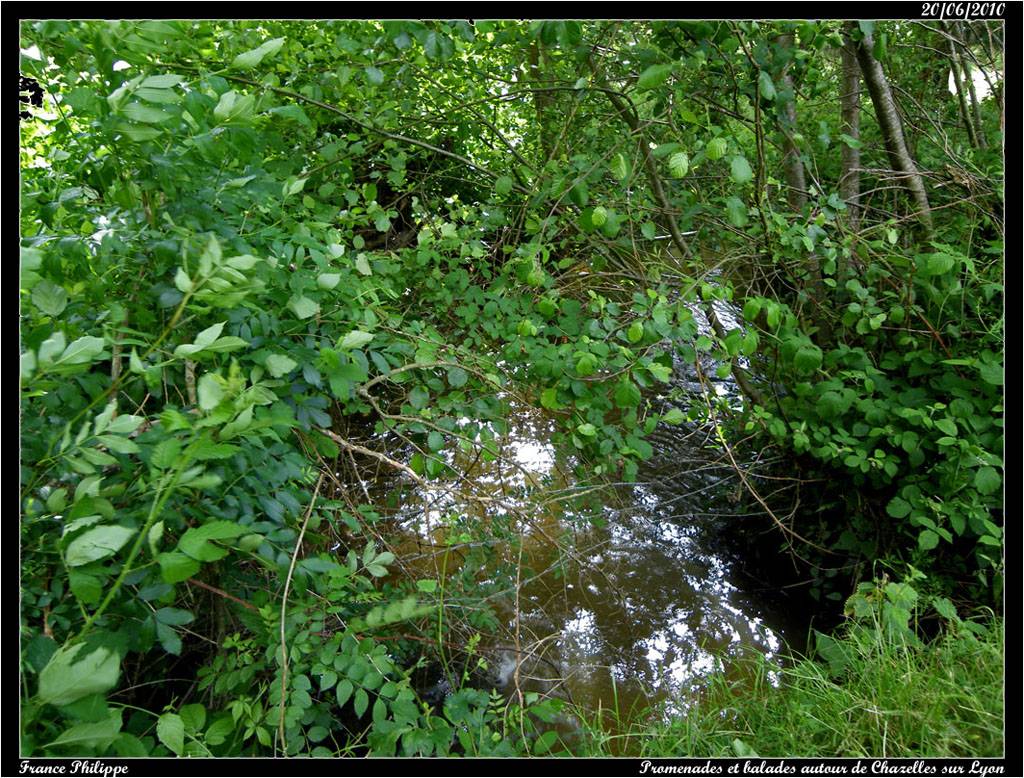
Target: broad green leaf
x: 170, y: 729
x: 98, y: 543
x: 49, y: 298
x: 328, y: 280
x: 740, y: 170
x: 279, y: 365
x: 74, y: 672
x: 363, y: 265
x: 767, y: 86
x: 90, y: 735
x: 673, y: 416
x: 679, y: 164
x: 251, y: 59
x: 196, y: 542
x: 716, y: 148
x: 210, y: 391
x: 503, y: 185
x: 355, y: 339
x: 303, y: 307
x: 654, y: 76
x: 176, y: 567
x: 987, y: 480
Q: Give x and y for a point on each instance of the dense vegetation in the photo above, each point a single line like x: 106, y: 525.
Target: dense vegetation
x: 257, y: 256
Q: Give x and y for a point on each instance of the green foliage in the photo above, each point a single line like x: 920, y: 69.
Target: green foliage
x: 246, y: 244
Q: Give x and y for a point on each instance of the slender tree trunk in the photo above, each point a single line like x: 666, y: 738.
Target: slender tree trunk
x: 796, y: 181
x: 892, y: 129
x: 541, y: 101
x: 849, y: 124
x: 961, y: 92
x: 979, y: 133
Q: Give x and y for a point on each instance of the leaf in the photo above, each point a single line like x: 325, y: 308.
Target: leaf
x: 673, y: 416
x: 344, y: 691
x: 766, y: 85
x: 654, y: 76
x: 363, y: 265
x: 146, y: 114
x: 209, y: 390
x: 927, y: 540
x: 98, y: 543
x: 73, y: 673
x: 807, y: 358
x: 80, y: 351
x: 427, y: 585
x: 196, y: 541
x: 49, y: 298
x: 165, y: 81
x: 193, y: 716
x: 598, y: 216
x: 987, y: 480
x: 279, y: 365
x: 898, y: 508
x: 619, y: 168
x: 457, y: 377
x: 251, y: 59
x: 740, y: 171
x: 375, y: 75
x: 355, y: 339
x: 362, y: 701
x: 176, y: 567
x: 303, y: 307
x: 94, y: 735
x: 587, y: 430
x: 736, y: 210
x: 635, y: 332
x: 170, y: 729
x: 328, y: 280
x: 232, y: 107
x: 543, y: 744
x: 503, y: 185
x: 679, y: 164
x: 627, y: 395
x: 716, y: 148
x: 661, y: 372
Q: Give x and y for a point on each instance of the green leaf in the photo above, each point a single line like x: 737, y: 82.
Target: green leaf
x: 598, y: 216
x: 73, y: 673
x: 987, y: 480
x: 586, y: 364
x: 543, y: 744
x: 807, y: 358
x: 587, y: 430
x: 49, y: 298
x: 165, y: 81
x: 898, y: 508
x: 716, y: 148
x: 251, y: 59
x: 457, y: 377
x: 661, y: 372
x: 170, y: 729
x: 362, y: 701
x: 427, y: 585
x: 279, y: 365
x: 635, y: 332
x: 654, y: 76
x: 92, y: 735
x: 344, y: 691
x: 766, y: 85
x: 736, y: 210
x: 679, y: 164
x: 303, y: 307
x: 196, y: 541
x: 97, y: 543
x: 619, y: 168
x: 210, y: 391
x: 927, y: 540
x: 740, y: 170
x: 627, y: 395
x: 363, y: 265
x: 355, y: 339
x: 673, y: 416
x: 328, y: 280
x: 503, y: 185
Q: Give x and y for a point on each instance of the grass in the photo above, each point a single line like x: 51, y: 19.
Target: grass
x: 880, y: 693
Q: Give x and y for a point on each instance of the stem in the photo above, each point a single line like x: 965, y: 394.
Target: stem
x: 159, y: 499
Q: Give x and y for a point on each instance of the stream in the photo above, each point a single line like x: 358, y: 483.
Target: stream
x: 618, y: 597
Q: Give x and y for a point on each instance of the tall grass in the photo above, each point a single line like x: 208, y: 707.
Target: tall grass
x: 875, y: 691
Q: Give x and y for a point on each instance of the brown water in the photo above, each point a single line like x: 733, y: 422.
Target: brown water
x: 616, y: 596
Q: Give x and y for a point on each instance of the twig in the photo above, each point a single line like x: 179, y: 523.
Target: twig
x: 284, y: 612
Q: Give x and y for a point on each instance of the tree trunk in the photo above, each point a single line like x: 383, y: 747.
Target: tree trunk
x: 892, y: 129
x: 541, y: 101
x: 796, y: 181
x: 961, y: 92
x: 849, y: 123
